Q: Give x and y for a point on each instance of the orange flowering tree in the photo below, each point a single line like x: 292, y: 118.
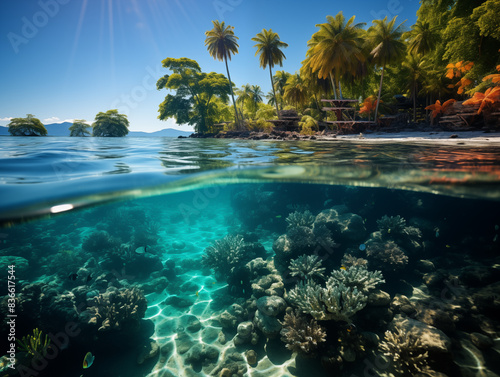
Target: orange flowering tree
x: 457, y: 70
x: 489, y: 97
x: 369, y: 105
x: 438, y: 108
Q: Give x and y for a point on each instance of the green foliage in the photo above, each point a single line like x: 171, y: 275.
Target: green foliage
x: 110, y: 124
x: 308, y: 126
x: 29, y: 126
x: 487, y: 18
x: 35, y: 344
x: 259, y: 125
x: 196, y: 93
x: 265, y: 111
x: 79, y: 128
x: 296, y: 91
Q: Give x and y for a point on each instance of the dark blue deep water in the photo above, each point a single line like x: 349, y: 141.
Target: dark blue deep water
x: 185, y: 257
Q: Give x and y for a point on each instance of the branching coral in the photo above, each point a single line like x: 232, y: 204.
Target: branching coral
x: 297, y: 219
x: 306, y: 267
x: 225, y: 254
x: 405, y: 350
x: 358, y: 277
x: 301, y: 335
x: 343, y: 296
x: 349, y: 260
x: 391, y: 224
x: 117, y: 308
x: 387, y: 255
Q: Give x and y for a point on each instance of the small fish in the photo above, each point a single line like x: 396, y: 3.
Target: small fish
x: 350, y: 328
x: 343, y: 268
x: 197, y: 293
x: 389, y: 230
x: 495, y: 238
x: 278, y: 216
x: 72, y: 276
x: 362, y: 247
x: 496, y: 227
x: 448, y: 246
x: 88, y: 360
x: 140, y: 250
x: 213, y: 282
x: 241, y: 282
x: 437, y: 231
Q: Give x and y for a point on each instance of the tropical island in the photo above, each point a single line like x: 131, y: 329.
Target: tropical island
x: 443, y: 72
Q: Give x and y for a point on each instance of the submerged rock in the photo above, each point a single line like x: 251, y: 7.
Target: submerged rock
x: 271, y: 305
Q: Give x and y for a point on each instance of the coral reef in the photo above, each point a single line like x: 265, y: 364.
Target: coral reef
x: 117, y: 308
x: 300, y: 219
x: 348, y: 260
x: 343, y: 296
x: 301, y: 335
x: 357, y: 277
x: 387, y: 255
x: 391, y: 224
x: 307, y: 267
x: 343, y: 225
x: 303, y: 236
x: 230, y: 252
x: 405, y: 352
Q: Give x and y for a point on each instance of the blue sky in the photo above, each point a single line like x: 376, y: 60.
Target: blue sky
x: 69, y: 59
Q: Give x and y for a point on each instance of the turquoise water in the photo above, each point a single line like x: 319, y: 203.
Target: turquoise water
x: 159, y: 256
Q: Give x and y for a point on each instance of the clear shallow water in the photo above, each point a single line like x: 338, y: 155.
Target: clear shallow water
x: 37, y: 174
x: 439, y: 259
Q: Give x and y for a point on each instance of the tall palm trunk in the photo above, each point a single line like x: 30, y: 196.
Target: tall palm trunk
x: 333, y: 86
x: 414, y: 101
x: 340, y: 90
x: 379, y: 93
x: 236, y: 118
x: 274, y: 91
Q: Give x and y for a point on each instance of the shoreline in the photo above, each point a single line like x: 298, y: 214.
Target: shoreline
x: 458, y: 137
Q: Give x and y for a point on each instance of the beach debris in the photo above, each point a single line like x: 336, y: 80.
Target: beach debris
x: 88, y: 360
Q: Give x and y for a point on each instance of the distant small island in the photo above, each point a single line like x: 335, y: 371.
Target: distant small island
x: 62, y: 129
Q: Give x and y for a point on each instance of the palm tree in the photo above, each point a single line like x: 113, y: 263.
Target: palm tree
x: 280, y: 78
x: 221, y: 43
x: 244, y: 95
x: 269, y: 46
x: 388, y: 46
x: 415, y: 67
x: 255, y: 97
x: 296, y: 90
x: 336, y: 48
x: 422, y: 38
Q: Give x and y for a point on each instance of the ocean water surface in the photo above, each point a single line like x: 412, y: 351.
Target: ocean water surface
x: 186, y: 257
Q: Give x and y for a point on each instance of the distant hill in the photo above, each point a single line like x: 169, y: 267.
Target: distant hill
x: 62, y: 129
x: 166, y: 132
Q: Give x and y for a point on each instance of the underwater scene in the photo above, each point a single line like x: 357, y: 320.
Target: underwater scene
x: 249, y: 259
